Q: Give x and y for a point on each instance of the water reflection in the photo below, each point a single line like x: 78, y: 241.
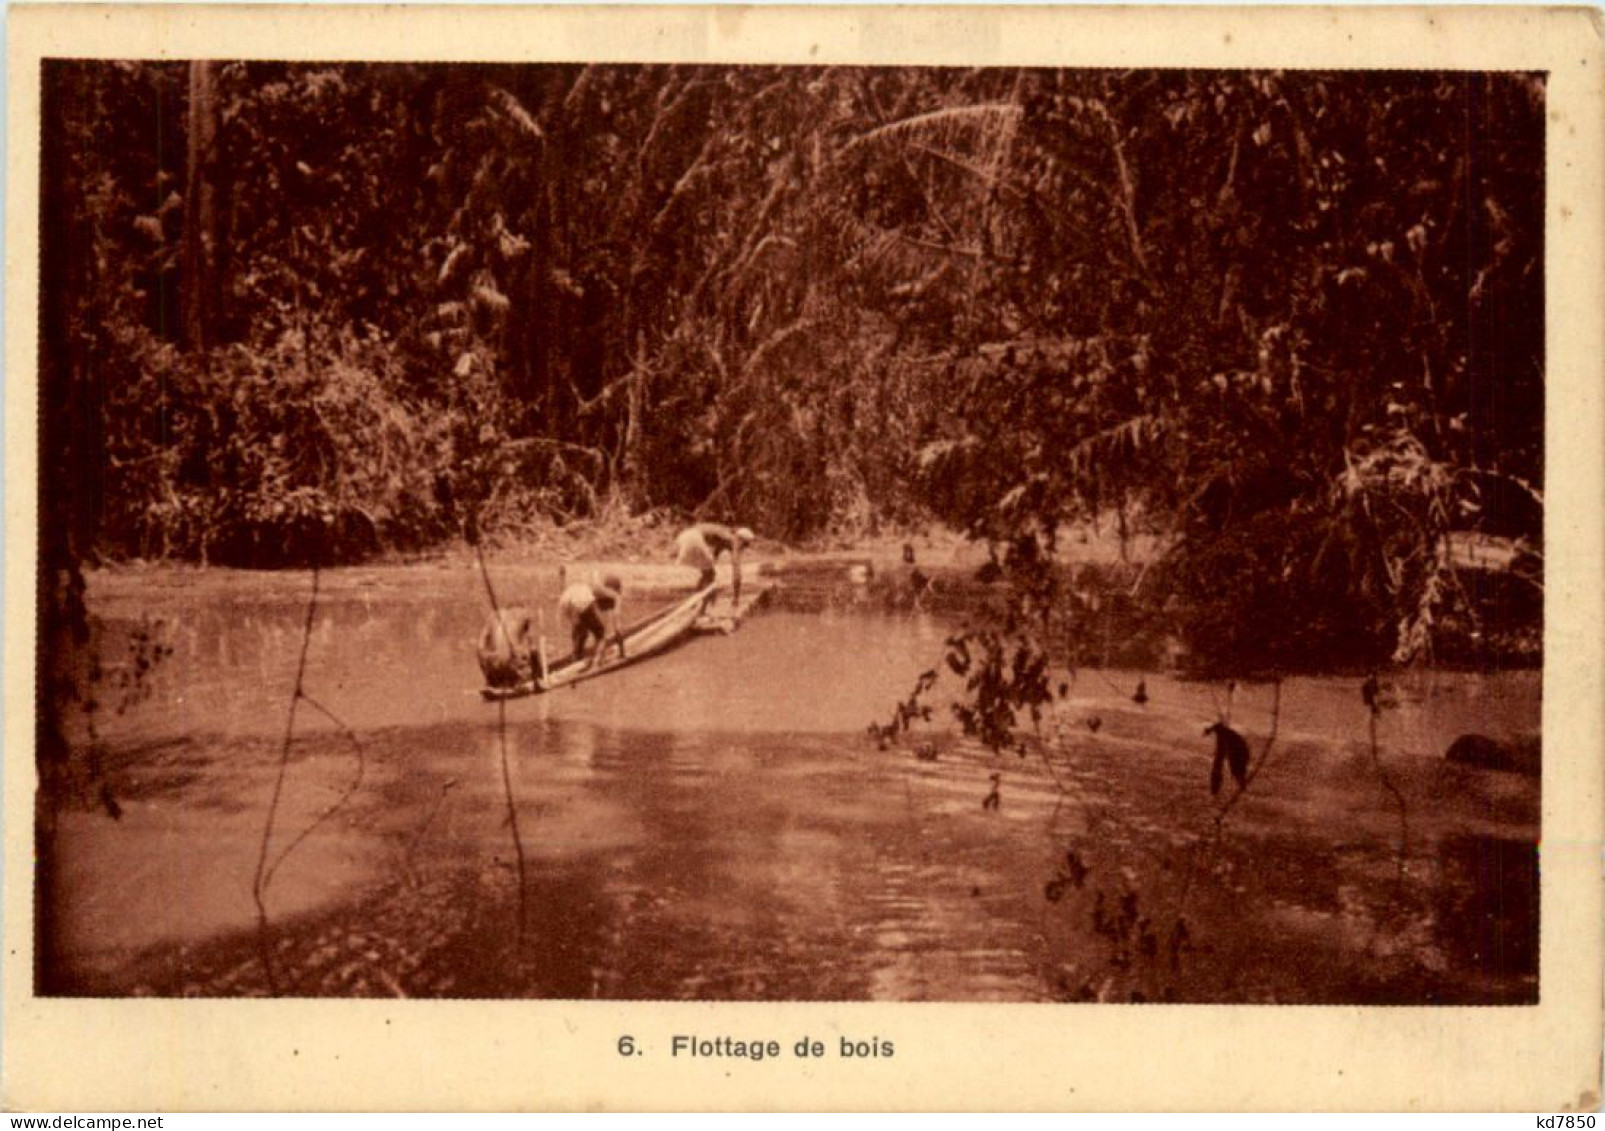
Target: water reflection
x: 407, y: 659
x: 715, y: 823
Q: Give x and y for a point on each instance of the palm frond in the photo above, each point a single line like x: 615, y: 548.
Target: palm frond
x: 947, y: 124
x: 513, y: 110
x: 1123, y: 440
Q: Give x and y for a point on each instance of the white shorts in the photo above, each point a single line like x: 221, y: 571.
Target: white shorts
x: 692, y: 549
x: 575, y: 602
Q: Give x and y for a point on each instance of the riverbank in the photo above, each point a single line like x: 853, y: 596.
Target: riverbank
x: 1122, y: 617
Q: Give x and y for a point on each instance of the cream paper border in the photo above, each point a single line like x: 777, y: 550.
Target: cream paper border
x: 75, y: 1055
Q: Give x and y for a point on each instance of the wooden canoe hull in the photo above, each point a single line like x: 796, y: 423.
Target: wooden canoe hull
x: 643, y: 639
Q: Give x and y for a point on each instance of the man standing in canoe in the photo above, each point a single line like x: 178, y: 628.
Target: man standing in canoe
x: 699, y: 546
x: 593, y: 610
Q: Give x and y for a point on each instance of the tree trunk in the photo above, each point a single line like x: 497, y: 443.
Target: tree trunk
x: 200, y: 205
x: 70, y: 456
x: 634, y: 456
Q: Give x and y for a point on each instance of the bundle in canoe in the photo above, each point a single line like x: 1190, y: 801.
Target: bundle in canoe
x: 642, y: 639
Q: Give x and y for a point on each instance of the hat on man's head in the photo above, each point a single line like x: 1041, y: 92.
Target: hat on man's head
x: 612, y: 583
x: 744, y: 535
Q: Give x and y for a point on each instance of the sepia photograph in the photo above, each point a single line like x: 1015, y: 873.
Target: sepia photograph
x: 791, y: 532
x: 1116, y: 499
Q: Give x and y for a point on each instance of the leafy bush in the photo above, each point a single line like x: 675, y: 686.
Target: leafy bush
x: 295, y: 453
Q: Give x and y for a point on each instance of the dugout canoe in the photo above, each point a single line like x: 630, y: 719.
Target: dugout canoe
x: 642, y: 640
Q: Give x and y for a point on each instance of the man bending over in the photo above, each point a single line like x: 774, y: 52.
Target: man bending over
x: 699, y: 546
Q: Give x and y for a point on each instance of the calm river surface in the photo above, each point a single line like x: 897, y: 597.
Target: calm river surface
x: 717, y: 824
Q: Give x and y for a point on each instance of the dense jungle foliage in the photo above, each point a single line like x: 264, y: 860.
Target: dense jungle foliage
x: 1289, y: 325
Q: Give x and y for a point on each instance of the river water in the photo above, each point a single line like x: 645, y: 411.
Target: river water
x: 717, y: 823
